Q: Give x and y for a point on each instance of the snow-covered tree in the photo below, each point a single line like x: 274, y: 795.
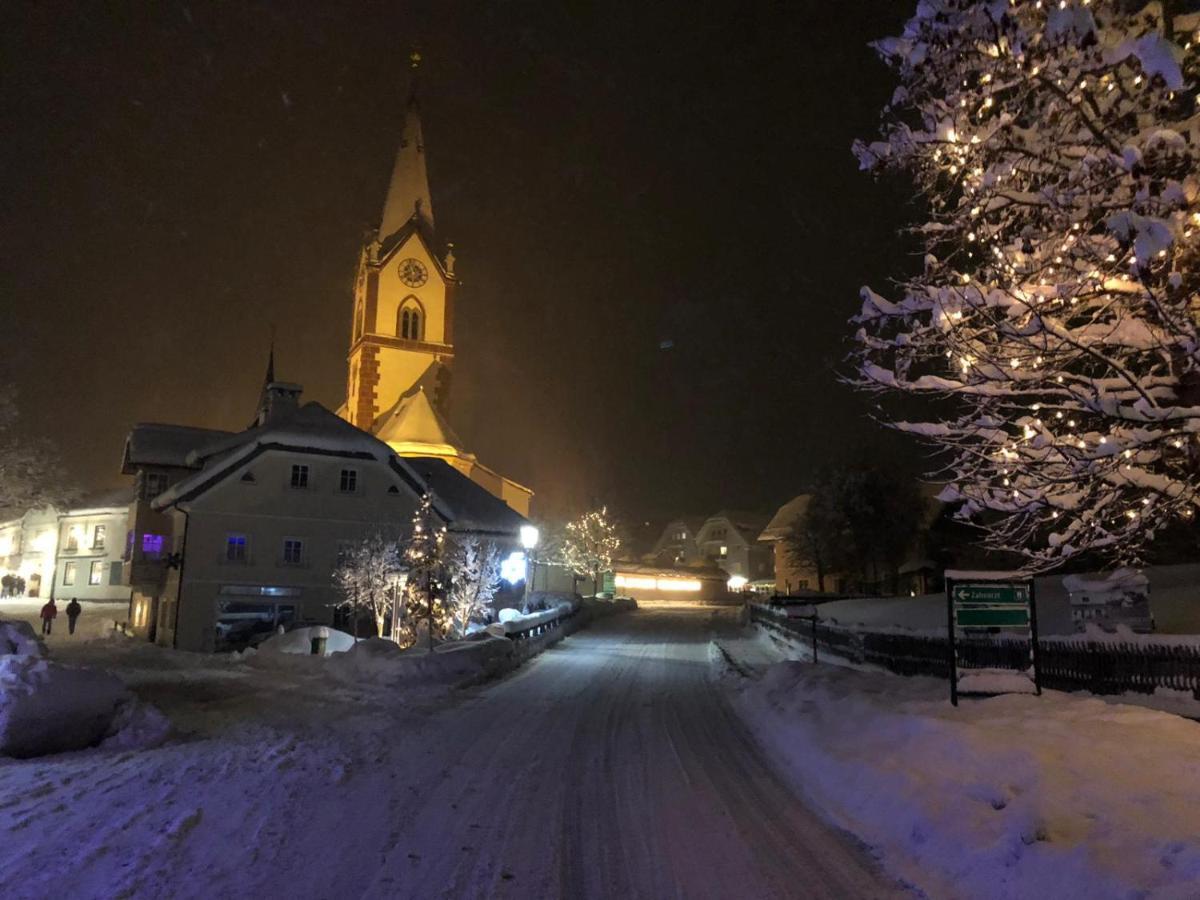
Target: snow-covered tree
x: 369, y: 575
x: 1054, y: 326
x: 590, y: 544
x: 423, y: 553
x: 31, y: 475
x: 473, y: 576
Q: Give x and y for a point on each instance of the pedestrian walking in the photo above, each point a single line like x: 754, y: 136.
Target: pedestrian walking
x: 73, y: 611
x: 49, y: 614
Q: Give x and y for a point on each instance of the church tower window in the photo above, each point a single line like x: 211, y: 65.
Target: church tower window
x: 410, y: 322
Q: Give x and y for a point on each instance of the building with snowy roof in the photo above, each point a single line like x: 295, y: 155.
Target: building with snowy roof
x: 402, y: 328
x: 239, y: 533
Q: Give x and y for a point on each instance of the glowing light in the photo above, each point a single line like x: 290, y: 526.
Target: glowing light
x: 512, y: 567
x: 737, y: 582
x: 44, y: 542
x: 665, y: 583
x: 529, y: 536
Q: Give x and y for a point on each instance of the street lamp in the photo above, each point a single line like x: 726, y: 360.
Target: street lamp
x: 529, y: 540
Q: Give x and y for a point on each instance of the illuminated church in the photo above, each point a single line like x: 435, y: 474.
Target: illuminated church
x: 402, y: 334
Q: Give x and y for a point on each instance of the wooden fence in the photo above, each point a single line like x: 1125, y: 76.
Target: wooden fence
x: 1067, y: 664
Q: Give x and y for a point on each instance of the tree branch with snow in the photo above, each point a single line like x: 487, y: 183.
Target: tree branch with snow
x: 1053, y: 329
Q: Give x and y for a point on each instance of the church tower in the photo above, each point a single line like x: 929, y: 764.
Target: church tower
x: 402, y: 332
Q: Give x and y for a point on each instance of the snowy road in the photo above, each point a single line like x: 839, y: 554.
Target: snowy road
x: 610, y: 766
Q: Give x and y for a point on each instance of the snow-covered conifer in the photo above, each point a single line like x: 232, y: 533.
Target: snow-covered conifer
x: 1054, y: 326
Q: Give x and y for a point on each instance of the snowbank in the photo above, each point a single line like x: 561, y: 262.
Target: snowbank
x: 19, y: 638
x: 48, y: 708
x: 1007, y: 797
x: 299, y: 641
x: 383, y: 662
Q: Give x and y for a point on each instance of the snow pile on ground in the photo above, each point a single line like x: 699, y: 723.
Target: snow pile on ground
x: 48, y: 708
x: 384, y: 662
x: 19, y: 638
x: 299, y: 640
x: 1011, y: 796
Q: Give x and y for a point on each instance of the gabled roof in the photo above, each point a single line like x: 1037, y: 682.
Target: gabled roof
x: 309, y: 429
x: 785, y: 517
x: 470, y: 507
x: 747, y: 524
x: 413, y: 419
x: 155, y: 444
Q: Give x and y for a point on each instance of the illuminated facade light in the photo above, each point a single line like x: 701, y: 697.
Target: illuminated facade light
x: 737, y: 583
x: 529, y: 536
x: 652, y: 583
x: 512, y: 567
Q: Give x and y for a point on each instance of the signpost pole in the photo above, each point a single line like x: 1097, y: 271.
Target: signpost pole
x: 1033, y: 641
x: 953, y: 652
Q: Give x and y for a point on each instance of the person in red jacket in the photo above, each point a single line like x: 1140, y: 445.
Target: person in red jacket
x: 49, y: 612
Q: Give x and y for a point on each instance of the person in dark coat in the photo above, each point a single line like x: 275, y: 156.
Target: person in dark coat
x: 73, y: 611
x: 49, y: 614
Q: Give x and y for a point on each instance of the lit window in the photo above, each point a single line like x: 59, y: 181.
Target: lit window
x: 152, y: 545
x: 72, y: 538
x: 96, y: 572
x: 349, y: 481
x: 69, y: 573
x: 409, y: 321
x: 235, y: 548
x: 724, y: 551
x: 293, y: 551
x: 299, y: 476
x: 98, y: 534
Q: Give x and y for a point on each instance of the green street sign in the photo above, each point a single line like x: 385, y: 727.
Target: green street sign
x: 992, y: 617
x: 1006, y: 594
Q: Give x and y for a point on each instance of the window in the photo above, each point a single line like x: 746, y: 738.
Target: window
x: 293, y: 551
x: 344, y: 551
x: 115, y: 573
x: 156, y: 483
x: 69, y: 573
x: 299, y: 476
x: 152, y: 545
x: 235, y: 548
x: 349, y: 481
x: 410, y: 322
x: 98, y: 537
x: 72, y: 537
x: 724, y: 551
x: 96, y: 573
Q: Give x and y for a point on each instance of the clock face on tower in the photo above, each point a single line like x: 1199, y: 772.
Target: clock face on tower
x: 412, y: 272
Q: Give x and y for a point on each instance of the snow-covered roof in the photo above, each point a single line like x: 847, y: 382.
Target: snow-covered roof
x: 468, y: 506
x: 785, y: 517
x: 156, y: 444
x: 111, y: 498
x: 311, y: 428
x: 413, y: 419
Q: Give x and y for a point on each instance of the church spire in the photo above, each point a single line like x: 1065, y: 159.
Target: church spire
x: 408, y: 192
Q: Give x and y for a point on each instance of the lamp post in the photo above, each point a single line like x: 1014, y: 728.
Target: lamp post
x: 529, y: 540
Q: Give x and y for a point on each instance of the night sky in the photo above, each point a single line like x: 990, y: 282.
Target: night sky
x: 658, y: 221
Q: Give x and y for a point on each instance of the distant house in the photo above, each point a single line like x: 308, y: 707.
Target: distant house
x: 91, y: 545
x: 28, y: 549
x: 791, y: 577
x: 729, y: 540
x: 676, y: 545
x: 253, y: 524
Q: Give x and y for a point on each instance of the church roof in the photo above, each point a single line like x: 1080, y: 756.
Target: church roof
x: 471, y: 508
x: 413, y: 419
x: 408, y: 191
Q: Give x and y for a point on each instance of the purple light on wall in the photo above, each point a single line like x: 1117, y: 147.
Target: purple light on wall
x: 152, y: 544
